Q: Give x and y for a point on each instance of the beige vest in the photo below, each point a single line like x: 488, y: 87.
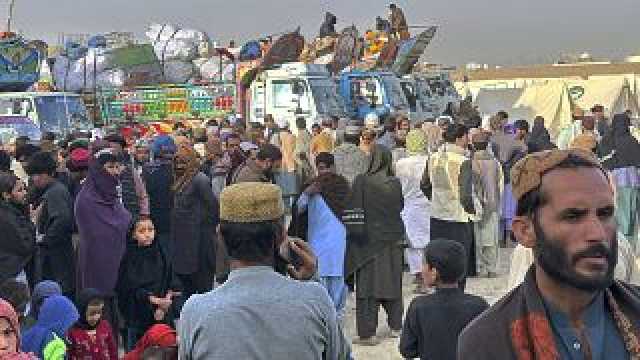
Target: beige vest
x: 444, y: 171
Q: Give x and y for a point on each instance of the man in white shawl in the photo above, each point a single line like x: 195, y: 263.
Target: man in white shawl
x: 416, y: 212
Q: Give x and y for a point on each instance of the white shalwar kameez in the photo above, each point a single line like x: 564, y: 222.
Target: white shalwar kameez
x: 417, y: 209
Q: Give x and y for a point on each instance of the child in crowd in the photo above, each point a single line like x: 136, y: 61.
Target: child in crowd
x: 92, y: 336
x: 160, y: 342
x: 148, y: 290
x: 16, y: 293
x: 41, y: 292
x: 10, y: 334
x: 46, y: 337
x: 434, y: 321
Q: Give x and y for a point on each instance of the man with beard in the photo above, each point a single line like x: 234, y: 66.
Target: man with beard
x: 134, y: 193
x: 569, y: 306
x: 260, y: 169
x: 232, y: 158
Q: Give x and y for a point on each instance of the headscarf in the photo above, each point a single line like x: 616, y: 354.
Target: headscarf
x: 619, y: 148
x: 158, y: 335
x: 162, y: 144
x: 7, y: 312
x: 57, y: 315
x: 381, y: 161
x: 189, y: 158
x: 416, y: 142
x: 101, y: 184
x: 41, y: 292
x: 539, y: 139
x: 85, y: 297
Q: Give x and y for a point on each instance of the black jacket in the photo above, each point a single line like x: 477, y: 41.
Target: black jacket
x: 433, y: 323
x: 18, y: 240
x: 194, y: 220
x: 55, y: 221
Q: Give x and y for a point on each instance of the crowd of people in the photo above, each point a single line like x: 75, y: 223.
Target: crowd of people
x: 203, y: 242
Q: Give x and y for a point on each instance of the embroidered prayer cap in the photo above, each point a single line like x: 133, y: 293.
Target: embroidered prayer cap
x: 526, y: 174
x: 251, y: 202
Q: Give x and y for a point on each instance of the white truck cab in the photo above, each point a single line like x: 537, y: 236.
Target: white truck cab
x: 294, y: 90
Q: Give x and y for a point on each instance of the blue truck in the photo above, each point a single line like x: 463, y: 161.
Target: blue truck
x: 365, y: 92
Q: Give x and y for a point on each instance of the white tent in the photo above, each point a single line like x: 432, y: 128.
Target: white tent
x: 490, y: 101
x: 615, y: 93
x: 549, y: 100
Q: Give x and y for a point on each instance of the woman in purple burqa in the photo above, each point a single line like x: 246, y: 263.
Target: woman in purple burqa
x: 103, y: 223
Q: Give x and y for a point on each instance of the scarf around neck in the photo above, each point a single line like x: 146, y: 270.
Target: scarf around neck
x: 531, y: 335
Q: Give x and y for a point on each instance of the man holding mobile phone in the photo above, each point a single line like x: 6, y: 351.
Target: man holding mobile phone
x: 258, y: 313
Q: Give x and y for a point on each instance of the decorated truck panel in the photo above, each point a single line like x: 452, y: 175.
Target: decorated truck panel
x: 158, y: 103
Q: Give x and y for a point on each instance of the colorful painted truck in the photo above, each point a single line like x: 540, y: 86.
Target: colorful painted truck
x: 158, y: 103
x: 19, y: 62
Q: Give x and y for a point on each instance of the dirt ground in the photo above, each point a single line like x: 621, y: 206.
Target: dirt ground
x: 490, y: 289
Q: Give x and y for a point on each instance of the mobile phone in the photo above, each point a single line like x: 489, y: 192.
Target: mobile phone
x: 290, y: 256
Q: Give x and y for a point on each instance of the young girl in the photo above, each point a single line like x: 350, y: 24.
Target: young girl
x: 148, y: 291
x: 91, y: 337
x: 10, y: 334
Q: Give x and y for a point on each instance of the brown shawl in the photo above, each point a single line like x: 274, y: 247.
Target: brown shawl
x: 517, y: 326
x: 334, y: 189
x: 189, y: 158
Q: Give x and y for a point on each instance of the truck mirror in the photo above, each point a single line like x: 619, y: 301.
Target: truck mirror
x: 371, y: 87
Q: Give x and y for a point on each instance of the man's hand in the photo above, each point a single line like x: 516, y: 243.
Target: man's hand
x: 308, y: 260
x: 159, y: 314
x: 312, y: 189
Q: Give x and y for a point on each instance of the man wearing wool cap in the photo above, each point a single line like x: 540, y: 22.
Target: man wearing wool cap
x: 569, y: 306
x: 245, y: 317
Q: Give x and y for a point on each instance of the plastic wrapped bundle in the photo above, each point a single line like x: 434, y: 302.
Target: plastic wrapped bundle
x: 209, y: 69
x: 172, y: 43
x: 178, y: 72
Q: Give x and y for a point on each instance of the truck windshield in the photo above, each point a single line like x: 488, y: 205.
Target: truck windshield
x: 61, y: 114
x: 325, y: 95
x: 395, y: 92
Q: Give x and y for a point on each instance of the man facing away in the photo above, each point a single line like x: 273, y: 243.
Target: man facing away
x: 569, y: 306
x: 258, y: 313
x: 488, y: 182
x: 448, y: 183
x: 350, y: 161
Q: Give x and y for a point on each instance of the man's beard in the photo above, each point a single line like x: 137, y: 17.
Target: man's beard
x: 559, y: 265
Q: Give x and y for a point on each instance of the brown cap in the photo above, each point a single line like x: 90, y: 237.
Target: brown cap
x: 585, y: 142
x: 251, y: 202
x: 526, y: 174
x: 480, y: 136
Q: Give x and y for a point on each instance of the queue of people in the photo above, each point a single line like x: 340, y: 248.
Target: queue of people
x: 200, y: 243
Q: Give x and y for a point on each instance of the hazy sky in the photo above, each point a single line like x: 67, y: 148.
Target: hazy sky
x: 484, y: 31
